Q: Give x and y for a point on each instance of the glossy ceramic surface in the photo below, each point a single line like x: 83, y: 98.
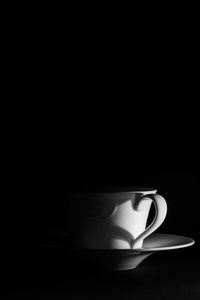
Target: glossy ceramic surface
x: 114, y: 220
x: 126, y: 259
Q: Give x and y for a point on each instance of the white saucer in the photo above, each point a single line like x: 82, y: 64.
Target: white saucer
x: 153, y: 243
x: 126, y: 259
x: 162, y: 241
x: 116, y: 259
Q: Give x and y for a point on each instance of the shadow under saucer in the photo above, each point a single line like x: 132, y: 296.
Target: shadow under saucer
x: 126, y: 259
x: 72, y: 257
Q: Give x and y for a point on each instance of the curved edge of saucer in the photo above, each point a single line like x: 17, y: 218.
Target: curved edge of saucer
x: 154, y: 243
x: 164, y: 242
x: 186, y: 242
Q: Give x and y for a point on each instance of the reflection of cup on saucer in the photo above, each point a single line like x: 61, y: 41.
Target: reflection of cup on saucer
x: 114, y: 219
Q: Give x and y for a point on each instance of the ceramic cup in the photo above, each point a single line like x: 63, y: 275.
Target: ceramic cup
x: 115, y: 219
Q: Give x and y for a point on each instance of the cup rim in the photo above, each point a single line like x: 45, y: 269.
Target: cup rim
x: 118, y: 189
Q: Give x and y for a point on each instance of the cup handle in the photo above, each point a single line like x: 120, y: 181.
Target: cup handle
x: 160, y: 214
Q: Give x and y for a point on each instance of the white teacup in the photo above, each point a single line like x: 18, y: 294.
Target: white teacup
x: 115, y: 219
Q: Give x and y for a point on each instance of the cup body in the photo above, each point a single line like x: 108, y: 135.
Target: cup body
x: 109, y: 220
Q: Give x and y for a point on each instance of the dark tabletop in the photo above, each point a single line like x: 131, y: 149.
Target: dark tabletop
x: 46, y: 271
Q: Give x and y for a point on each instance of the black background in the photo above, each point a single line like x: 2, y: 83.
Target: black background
x: 108, y: 140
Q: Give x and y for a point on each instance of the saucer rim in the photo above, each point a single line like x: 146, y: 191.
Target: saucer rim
x: 187, y: 243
